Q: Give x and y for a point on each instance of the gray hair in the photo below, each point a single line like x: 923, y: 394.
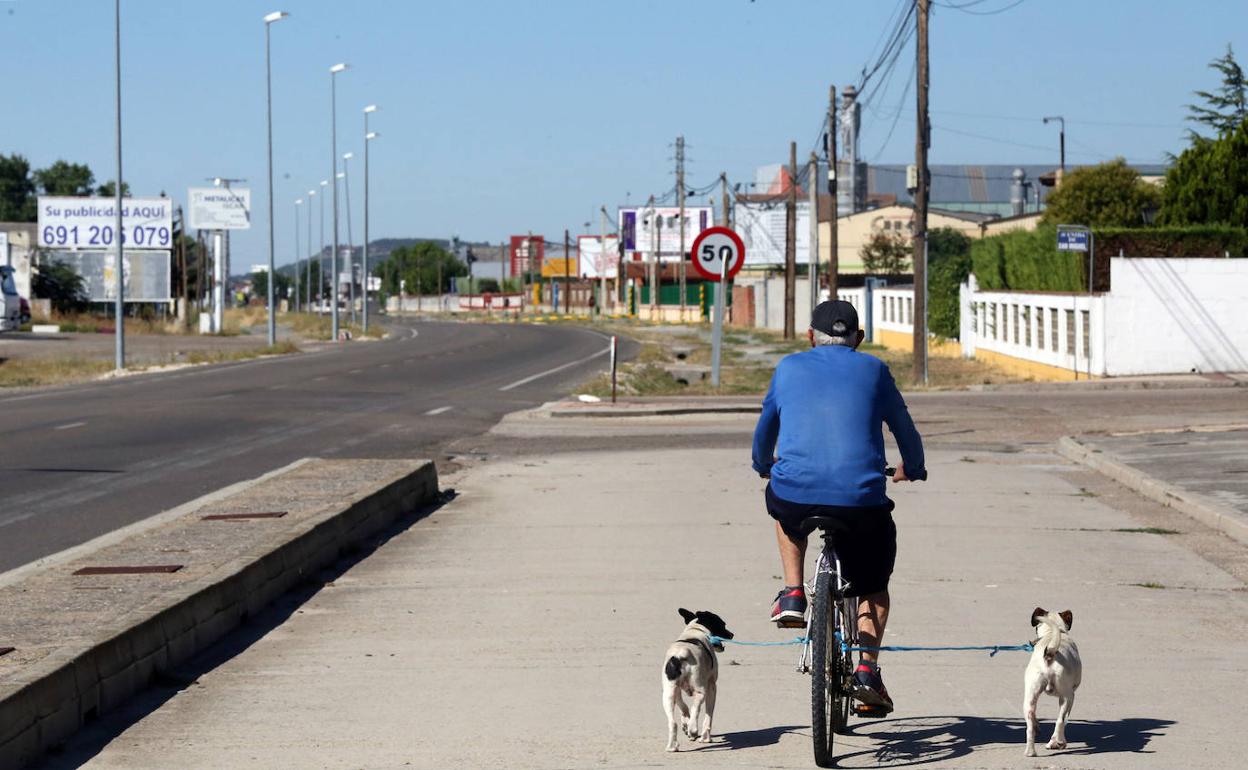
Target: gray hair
x: 827, y: 339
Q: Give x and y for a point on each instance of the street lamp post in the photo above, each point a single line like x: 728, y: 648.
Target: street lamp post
x: 307, y: 288
x: 298, y: 203
x: 368, y: 137
x: 320, y: 255
x: 268, y: 86
x: 1062, y: 138
x: 346, y: 186
x: 333, y: 170
x: 119, y: 333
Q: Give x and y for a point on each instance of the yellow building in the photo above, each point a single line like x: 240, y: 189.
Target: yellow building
x: 854, y: 230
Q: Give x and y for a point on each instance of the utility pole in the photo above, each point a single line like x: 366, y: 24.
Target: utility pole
x: 655, y: 224
x: 567, y: 273
x: 834, y: 257
x: 602, y: 266
x: 723, y: 189
x: 1062, y: 142
x: 790, y: 247
x: 919, y: 254
x: 812, y: 271
x: 680, y: 203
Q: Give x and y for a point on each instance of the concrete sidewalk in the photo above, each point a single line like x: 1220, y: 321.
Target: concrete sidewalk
x: 523, y: 625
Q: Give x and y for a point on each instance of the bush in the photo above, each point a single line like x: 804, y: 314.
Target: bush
x: 885, y: 253
x: 486, y: 285
x: 948, y: 265
x: 59, y: 282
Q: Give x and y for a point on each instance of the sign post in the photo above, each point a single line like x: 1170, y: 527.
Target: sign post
x: 1080, y: 238
x: 219, y: 209
x: 718, y: 254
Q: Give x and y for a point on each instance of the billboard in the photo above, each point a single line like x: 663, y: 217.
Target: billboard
x: 146, y: 277
x: 638, y: 225
x: 596, y: 261
x: 90, y: 223
x: 526, y: 253
x: 762, y: 229
x: 219, y: 208
x: 558, y: 267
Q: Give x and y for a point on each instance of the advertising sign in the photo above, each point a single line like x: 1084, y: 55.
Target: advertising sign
x: 90, y: 223
x: 596, y: 261
x: 640, y: 224
x: 146, y: 276
x: 219, y: 208
x: 526, y: 252
x: 762, y: 225
x: 558, y: 267
x: 4, y: 248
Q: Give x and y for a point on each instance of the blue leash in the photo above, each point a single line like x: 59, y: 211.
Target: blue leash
x: 992, y: 649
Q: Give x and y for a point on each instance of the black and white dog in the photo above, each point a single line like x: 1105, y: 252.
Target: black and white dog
x: 1055, y: 668
x: 690, y: 668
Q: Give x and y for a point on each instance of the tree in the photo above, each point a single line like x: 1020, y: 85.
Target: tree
x: 260, y: 285
x: 17, y: 190
x: 1228, y: 107
x: 948, y: 265
x: 885, y: 252
x: 109, y: 189
x: 59, y: 282
x: 417, y: 268
x: 1109, y: 195
x: 65, y: 178
x: 1208, y: 183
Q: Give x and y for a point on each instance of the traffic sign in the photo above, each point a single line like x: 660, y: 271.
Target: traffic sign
x: 713, y: 248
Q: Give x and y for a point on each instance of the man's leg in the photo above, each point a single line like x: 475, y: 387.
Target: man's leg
x: 792, y: 556
x: 872, y: 617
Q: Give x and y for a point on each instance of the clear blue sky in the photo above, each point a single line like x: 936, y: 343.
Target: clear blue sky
x: 498, y: 117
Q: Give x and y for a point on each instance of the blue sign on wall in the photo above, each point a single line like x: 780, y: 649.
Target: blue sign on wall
x: 1072, y: 240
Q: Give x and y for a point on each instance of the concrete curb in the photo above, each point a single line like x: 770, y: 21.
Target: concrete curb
x: 49, y: 701
x: 1199, y: 507
x: 656, y: 411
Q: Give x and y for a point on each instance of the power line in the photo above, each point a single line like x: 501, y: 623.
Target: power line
x: 966, y: 7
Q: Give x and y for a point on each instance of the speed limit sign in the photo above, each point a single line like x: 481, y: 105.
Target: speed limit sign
x: 716, y: 247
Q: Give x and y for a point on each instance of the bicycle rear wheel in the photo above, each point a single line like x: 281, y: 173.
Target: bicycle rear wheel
x: 825, y: 680
x: 847, y: 625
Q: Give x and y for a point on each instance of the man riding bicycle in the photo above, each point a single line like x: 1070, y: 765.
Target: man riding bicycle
x: 819, y: 441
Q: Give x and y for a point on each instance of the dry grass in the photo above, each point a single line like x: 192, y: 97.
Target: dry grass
x: 646, y: 375
x: 32, y: 372
x: 318, y: 327
x: 282, y: 348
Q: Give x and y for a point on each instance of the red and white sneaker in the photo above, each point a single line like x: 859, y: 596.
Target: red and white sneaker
x: 789, y: 608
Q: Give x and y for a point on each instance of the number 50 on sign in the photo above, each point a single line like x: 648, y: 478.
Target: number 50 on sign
x: 718, y: 251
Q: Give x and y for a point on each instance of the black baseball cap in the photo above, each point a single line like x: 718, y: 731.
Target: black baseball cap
x: 835, y: 318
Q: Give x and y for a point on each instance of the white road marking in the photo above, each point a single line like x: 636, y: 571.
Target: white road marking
x: 540, y: 375
x: 318, y: 379
x: 439, y: 410
x: 69, y: 425
x: 355, y: 371
x: 414, y: 333
x: 385, y: 366
x: 221, y: 397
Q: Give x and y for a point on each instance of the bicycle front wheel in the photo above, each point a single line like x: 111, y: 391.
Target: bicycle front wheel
x: 825, y: 684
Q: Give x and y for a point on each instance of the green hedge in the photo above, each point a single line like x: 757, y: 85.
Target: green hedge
x: 1029, y: 260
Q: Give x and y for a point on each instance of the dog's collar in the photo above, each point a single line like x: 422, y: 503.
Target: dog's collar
x: 702, y: 644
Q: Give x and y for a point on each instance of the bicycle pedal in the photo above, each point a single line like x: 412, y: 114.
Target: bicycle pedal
x: 870, y: 712
x: 790, y: 624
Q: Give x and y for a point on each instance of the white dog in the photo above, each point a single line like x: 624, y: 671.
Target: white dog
x: 1055, y: 669
x: 689, y: 667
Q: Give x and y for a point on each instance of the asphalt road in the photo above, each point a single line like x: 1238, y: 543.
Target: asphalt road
x: 81, y: 461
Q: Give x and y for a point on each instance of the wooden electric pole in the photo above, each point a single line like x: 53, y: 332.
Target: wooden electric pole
x: 723, y: 189
x: 680, y: 202
x: 812, y: 258
x: 919, y: 255
x: 834, y: 261
x: 790, y: 247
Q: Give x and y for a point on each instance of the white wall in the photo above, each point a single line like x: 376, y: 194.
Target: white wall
x: 1177, y: 315
x: 769, y: 302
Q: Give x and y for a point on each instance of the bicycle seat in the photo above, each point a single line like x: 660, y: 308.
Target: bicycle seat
x: 829, y: 524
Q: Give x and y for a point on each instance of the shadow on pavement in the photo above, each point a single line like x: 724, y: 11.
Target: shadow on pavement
x: 750, y: 739
x: 97, y: 734
x: 930, y: 740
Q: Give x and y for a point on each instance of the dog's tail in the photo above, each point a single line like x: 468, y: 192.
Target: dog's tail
x: 673, y: 668
x: 1050, y: 637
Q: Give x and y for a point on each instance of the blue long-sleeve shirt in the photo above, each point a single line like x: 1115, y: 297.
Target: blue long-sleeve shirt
x: 821, y: 422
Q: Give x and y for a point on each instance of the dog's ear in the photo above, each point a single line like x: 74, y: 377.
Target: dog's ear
x: 1068, y: 617
x: 1036, y: 614
x: 686, y: 615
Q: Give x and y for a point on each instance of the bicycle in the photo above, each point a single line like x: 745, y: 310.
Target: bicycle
x: 832, y: 634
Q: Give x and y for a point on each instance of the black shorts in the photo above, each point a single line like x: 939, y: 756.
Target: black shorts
x: 867, y: 551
